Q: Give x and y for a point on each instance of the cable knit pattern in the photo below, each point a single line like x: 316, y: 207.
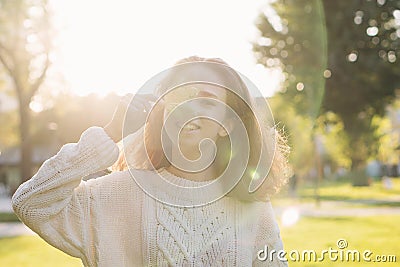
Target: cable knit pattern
x: 110, y: 221
x: 199, y: 236
x: 188, y: 237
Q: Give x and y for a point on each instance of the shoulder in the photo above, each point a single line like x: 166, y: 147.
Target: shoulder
x: 265, y: 212
x: 268, y: 224
x: 261, y: 208
x: 119, y: 181
x: 258, y: 215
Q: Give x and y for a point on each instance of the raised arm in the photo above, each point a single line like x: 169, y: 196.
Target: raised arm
x: 55, y: 203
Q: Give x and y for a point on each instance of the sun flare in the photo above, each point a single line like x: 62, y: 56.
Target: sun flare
x: 106, y: 48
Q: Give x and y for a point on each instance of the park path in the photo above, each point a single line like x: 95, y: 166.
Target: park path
x: 335, y: 209
x: 14, y: 229
x: 8, y: 229
x: 308, y: 209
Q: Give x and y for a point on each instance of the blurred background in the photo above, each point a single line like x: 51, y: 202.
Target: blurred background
x: 329, y: 69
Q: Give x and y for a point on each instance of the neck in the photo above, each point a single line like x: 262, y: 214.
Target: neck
x: 206, y: 175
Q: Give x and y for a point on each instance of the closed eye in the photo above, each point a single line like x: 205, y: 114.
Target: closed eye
x: 209, y: 102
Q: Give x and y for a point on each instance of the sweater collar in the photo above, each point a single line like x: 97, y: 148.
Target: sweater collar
x: 180, y: 181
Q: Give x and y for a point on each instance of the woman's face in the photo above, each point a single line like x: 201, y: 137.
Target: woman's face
x: 202, y: 101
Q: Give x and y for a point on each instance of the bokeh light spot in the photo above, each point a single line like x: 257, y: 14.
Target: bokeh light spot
x: 327, y: 73
x: 290, y: 216
x: 392, y: 57
x: 300, y: 86
x: 381, y: 2
x: 372, y: 31
x: 352, y: 57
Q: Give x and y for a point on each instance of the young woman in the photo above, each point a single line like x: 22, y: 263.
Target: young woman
x: 181, y: 191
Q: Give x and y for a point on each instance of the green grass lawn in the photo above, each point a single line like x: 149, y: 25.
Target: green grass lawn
x: 31, y: 251
x: 377, y: 234
x: 345, y: 191
x: 373, y: 195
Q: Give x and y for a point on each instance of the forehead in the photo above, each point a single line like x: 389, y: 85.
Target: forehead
x: 193, y: 90
x: 204, y: 76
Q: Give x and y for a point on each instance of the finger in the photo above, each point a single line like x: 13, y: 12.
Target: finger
x: 126, y: 101
x: 148, y: 96
x: 140, y: 102
x: 144, y: 98
x: 138, y: 107
x: 159, y: 104
x: 149, y: 101
x: 127, y: 97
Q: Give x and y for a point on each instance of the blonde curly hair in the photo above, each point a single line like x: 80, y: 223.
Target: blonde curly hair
x: 143, y: 149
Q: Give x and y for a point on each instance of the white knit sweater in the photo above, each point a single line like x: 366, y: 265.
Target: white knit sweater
x: 110, y: 221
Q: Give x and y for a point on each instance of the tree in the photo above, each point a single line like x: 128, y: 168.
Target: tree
x: 25, y: 45
x: 362, y: 73
x: 9, y: 129
x: 298, y: 130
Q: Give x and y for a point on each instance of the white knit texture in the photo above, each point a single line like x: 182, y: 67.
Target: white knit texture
x: 110, y: 221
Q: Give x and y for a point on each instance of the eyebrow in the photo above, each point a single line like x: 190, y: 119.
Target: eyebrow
x: 207, y: 93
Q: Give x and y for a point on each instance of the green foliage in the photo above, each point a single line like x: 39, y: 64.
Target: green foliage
x: 364, y: 44
x: 335, y: 142
x: 9, y: 129
x: 298, y: 130
x: 25, y: 46
x: 301, y: 131
x: 296, y: 43
x: 388, y: 140
x: 8, y: 217
x: 25, y: 43
x: 362, y: 72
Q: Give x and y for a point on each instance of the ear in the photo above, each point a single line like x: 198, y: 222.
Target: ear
x: 228, y: 128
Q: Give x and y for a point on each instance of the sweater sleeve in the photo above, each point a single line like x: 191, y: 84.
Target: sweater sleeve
x: 55, y: 202
x: 268, y: 247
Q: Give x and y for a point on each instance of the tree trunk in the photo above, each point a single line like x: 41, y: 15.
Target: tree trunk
x: 359, y: 176
x: 26, y: 144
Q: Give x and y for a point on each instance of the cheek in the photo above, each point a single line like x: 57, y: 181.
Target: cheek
x: 221, y: 118
x: 210, y: 127
x: 165, y: 113
x: 215, y: 124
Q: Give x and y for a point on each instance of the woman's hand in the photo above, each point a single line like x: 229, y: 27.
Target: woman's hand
x: 133, y: 109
